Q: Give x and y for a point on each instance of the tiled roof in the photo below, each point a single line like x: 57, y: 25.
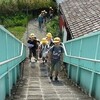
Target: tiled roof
x: 83, y: 16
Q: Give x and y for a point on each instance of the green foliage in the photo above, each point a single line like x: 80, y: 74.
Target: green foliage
x: 37, y: 4
x: 8, y: 7
x: 53, y: 26
x: 30, y: 17
x: 16, y: 24
x: 17, y: 31
x: 16, y: 20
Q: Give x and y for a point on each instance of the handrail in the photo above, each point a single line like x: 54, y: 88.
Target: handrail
x: 64, y: 49
x: 91, y: 34
x: 88, y: 59
x: 93, y: 60
x: 1, y: 63
x: 7, y: 72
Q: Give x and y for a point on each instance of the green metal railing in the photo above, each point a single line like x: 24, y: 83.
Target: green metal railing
x: 83, y: 58
x: 12, y: 53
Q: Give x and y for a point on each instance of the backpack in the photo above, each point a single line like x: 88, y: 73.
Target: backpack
x: 51, y: 43
x: 42, y: 48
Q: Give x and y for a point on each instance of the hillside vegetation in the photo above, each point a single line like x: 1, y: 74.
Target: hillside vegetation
x: 15, y: 14
x: 12, y: 6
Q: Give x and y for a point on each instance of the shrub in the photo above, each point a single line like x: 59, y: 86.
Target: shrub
x: 17, y: 31
x: 8, y: 7
x: 53, y: 26
x: 16, y: 20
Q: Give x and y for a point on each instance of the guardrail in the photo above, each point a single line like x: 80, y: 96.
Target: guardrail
x: 82, y: 57
x: 12, y: 53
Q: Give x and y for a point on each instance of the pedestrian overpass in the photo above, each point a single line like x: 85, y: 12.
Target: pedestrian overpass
x: 81, y: 57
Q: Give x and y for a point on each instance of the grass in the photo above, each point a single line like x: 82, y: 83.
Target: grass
x: 17, y: 31
x: 16, y: 24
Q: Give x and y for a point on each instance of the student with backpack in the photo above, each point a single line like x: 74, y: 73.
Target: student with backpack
x: 32, y: 45
x: 49, y: 39
x: 43, y: 49
x: 51, y: 12
x: 55, y: 58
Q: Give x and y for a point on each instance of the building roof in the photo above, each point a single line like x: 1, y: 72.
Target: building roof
x: 83, y: 16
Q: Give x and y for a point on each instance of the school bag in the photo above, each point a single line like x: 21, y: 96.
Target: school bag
x: 42, y: 48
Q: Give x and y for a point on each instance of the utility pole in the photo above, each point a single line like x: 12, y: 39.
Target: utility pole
x: 27, y: 17
x: 27, y: 27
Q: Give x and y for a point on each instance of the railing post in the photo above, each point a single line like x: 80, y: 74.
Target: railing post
x: 22, y: 69
x: 78, y: 67
x: 91, y: 84
x: 77, y: 74
x: 8, y: 78
x: 68, y: 70
x: 92, y: 75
